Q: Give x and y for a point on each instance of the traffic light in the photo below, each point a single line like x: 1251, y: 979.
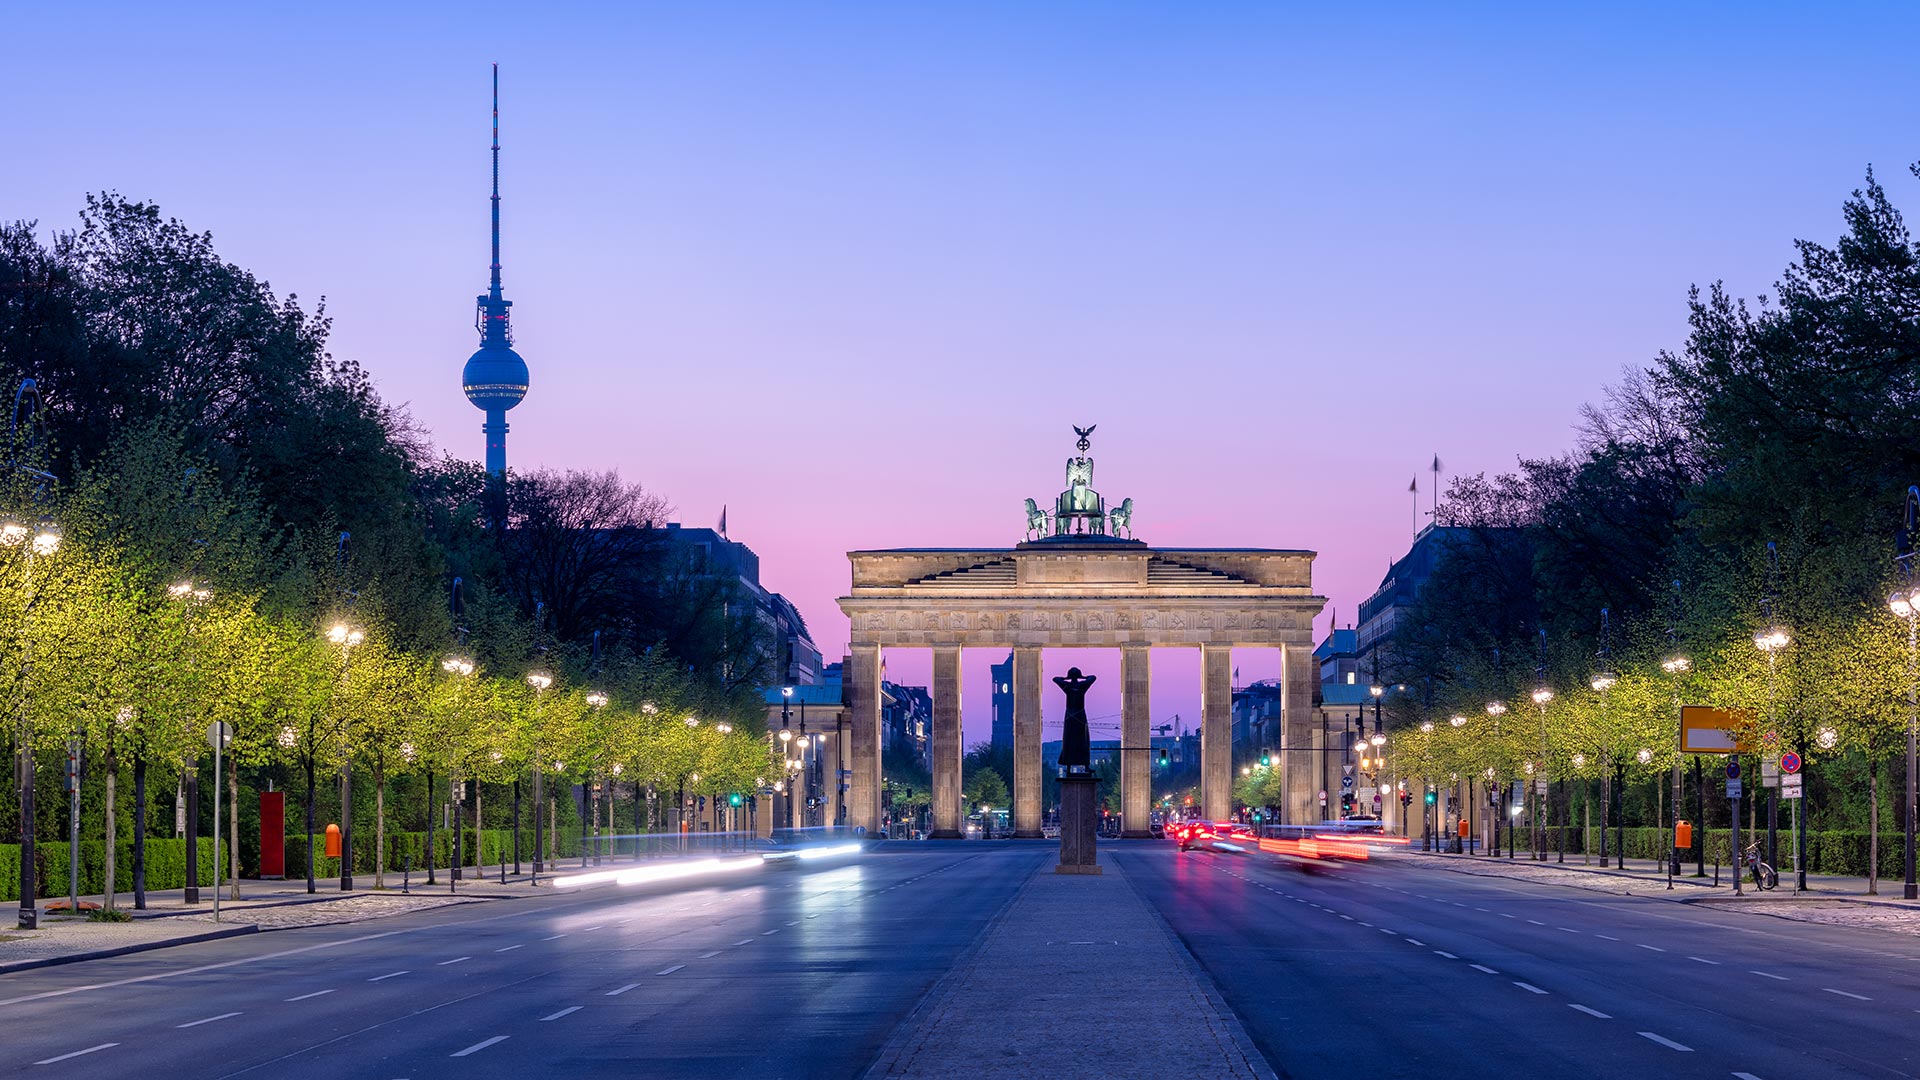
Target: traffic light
x: 703, y: 802
x: 1346, y: 802
x: 1432, y: 797
x: 734, y: 799
x: 1406, y: 798
x: 1266, y: 759
x: 1163, y: 757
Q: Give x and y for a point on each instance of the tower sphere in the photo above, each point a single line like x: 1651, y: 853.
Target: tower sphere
x: 495, y: 378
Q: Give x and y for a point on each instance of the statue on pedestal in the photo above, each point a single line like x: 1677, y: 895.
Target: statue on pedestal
x: 1076, y: 744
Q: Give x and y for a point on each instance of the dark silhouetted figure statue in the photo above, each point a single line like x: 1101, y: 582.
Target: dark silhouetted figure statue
x: 1076, y: 745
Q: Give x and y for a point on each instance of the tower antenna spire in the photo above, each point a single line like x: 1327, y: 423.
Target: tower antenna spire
x: 493, y: 288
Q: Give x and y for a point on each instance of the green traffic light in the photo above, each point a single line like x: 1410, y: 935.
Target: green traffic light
x: 733, y: 799
x: 1266, y: 760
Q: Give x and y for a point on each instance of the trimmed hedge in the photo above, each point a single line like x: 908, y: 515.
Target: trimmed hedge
x: 166, y: 866
x: 1828, y: 851
x: 405, y: 846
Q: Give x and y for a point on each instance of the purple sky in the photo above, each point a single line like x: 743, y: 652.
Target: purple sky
x: 853, y: 271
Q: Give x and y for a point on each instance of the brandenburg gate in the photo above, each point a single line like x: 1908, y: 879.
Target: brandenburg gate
x: 1081, y: 581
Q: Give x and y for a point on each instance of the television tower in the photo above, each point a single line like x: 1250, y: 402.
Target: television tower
x: 495, y: 378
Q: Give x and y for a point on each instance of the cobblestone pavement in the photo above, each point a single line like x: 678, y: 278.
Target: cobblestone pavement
x: 345, y: 910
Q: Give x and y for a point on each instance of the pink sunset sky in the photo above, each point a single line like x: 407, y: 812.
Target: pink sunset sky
x: 852, y: 272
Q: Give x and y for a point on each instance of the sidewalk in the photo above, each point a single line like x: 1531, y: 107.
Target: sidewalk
x: 169, y: 920
x: 1832, y: 899
x: 1113, y: 991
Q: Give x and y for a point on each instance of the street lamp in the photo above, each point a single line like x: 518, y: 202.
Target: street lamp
x: 1604, y: 678
x: 41, y: 541
x: 540, y: 681
x: 1771, y: 639
x: 347, y: 637
x: 1908, y: 607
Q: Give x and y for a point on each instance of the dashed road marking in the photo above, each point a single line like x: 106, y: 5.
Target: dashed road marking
x: 510, y: 948
x: 1448, y: 955
x: 1422, y: 944
x: 708, y: 955
x: 764, y: 933
x: 618, y: 990
x: 1649, y: 948
x: 1485, y: 968
x: 388, y: 975
x: 455, y: 960
x: 561, y: 1013
x: 1528, y: 987
x: 77, y: 1053
x: 1704, y: 960
x: 1846, y: 994
x: 1668, y: 1043
x: 304, y: 997
x: 1536, y: 922
x: 208, y: 1020
x: 1770, y: 975
x: 743, y: 941
x: 1591, y: 1012
x: 669, y: 970
x: 1606, y: 937
x: 479, y: 1046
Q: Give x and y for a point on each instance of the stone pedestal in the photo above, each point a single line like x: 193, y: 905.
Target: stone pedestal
x: 1079, y: 825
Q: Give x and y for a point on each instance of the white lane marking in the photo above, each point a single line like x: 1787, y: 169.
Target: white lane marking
x: 1745, y: 1076
x: 1591, y: 1012
x: 596, y: 926
x: 1504, y: 915
x: 479, y: 1046
x: 1384, y: 930
x: 764, y: 933
x: 1704, y: 960
x: 1606, y: 937
x: 708, y: 955
x: 1485, y: 968
x: 1528, y: 987
x: 388, y: 975
x: 1649, y: 948
x: 1422, y: 944
x: 670, y: 970
x: 1483, y: 911
x: 1568, y: 930
x: 510, y: 948
x: 77, y: 1053
x: 1349, y: 918
x: 553, y: 937
x: 455, y: 960
x: 795, y: 922
x: 1536, y: 922
x: 1448, y: 955
x: 208, y: 1020
x: 1668, y: 1043
x: 618, y: 990
x: 744, y: 941
x: 1846, y: 994
x: 561, y: 1013
x: 1770, y: 975
x: 304, y: 997
x: 815, y: 915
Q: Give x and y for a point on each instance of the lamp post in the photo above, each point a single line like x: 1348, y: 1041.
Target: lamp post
x: 539, y: 680
x: 1770, y: 639
x: 1496, y: 710
x: 41, y: 540
x: 1904, y: 606
x: 1676, y: 665
x: 347, y: 638
x: 1603, y: 680
x: 596, y: 700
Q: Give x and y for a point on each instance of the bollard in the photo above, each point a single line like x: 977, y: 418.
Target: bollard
x: 406, y: 873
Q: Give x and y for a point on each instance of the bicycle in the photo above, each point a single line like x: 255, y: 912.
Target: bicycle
x: 1764, y: 876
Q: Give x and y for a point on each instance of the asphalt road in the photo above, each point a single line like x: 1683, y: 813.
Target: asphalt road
x: 784, y: 974
x: 1391, y: 968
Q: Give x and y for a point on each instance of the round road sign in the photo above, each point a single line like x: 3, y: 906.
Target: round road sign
x: 1733, y: 768
x: 1789, y: 762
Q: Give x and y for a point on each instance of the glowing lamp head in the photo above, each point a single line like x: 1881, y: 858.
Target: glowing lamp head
x: 1676, y: 665
x: 1489, y: 773
x: 457, y: 665
x: 288, y: 738
x: 1604, y: 681
x: 596, y: 699
x: 1378, y: 739
x: 1426, y: 727
x: 693, y: 721
x: 724, y: 729
x: 1645, y: 756
x: 1496, y: 708
x: 12, y: 533
x: 1579, y: 761
x: 1458, y: 721
x: 786, y: 691
x: 1376, y: 690
x: 1900, y: 605
x: 346, y: 636
x: 1542, y: 695
x: 786, y: 735
x: 46, y: 539
x: 539, y: 680
x: 1828, y: 738
x: 1772, y: 639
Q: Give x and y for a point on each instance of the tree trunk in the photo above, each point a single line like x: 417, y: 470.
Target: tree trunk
x: 112, y: 769
x: 233, y: 826
x: 476, y: 828
x: 379, y: 824
x: 1873, y: 827
x: 309, y: 821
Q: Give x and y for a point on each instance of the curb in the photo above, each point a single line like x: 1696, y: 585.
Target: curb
x: 144, y: 946
x: 1708, y: 898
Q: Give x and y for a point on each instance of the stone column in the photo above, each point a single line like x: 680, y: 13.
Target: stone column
x: 861, y: 689
x: 1026, y: 740
x: 1216, y: 731
x: 1299, y: 674
x: 947, y: 815
x: 830, y: 736
x: 1136, y: 766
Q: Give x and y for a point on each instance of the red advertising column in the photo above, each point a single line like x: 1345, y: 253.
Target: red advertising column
x: 273, y: 834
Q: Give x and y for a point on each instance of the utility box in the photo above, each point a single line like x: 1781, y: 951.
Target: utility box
x: 333, y: 841
x: 273, y: 834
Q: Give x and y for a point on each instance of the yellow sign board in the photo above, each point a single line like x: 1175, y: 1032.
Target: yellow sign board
x: 1706, y: 730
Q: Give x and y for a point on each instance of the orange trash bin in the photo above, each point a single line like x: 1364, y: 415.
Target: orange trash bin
x: 1465, y: 831
x: 333, y: 841
x: 1683, y: 834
